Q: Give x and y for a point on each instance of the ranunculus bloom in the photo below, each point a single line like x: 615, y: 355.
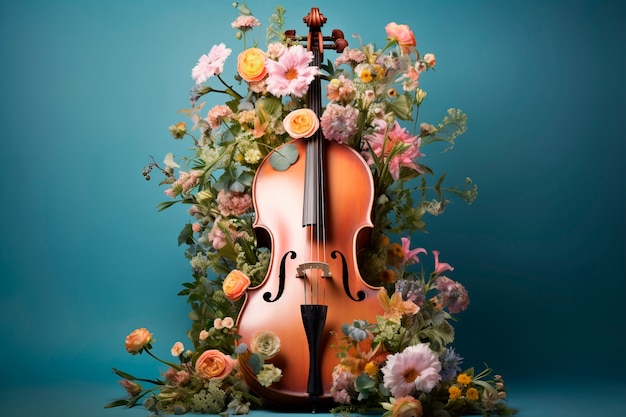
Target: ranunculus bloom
x: 301, y: 123
x: 235, y: 285
x: 403, y: 35
x: 251, y: 64
x: 416, y: 368
x: 265, y: 343
x: 214, y: 364
x: 137, y: 340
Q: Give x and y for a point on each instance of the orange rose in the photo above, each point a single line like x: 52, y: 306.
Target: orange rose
x: 251, y: 64
x: 401, y: 34
x: 137, y: 340
x: 301, y: 123
x: 235, y: 284
x: 214, y: 364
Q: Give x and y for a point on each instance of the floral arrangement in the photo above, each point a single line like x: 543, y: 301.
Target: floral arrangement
x: 403, y: 364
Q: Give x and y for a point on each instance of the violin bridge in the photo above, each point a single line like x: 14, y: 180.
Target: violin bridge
x: 323, y: 266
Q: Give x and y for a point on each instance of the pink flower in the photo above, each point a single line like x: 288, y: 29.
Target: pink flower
x: 394, y: 143
x: 340, y: 89
x: 343, y: 383
x: 416, y: 368
x: 452, y: 295
x: 291, y: 73
x: 352, y: 57
x: 401, y: 34
x: 339, y: 122
x: 440, y: 266
x: 177, y: 377
x: 410, y: 256
x: 217, y: 234
x: 245, y: 23
x: 177, y: 349
x: 217, y: 114
x: 196, y: 227
x: 233, y: 203
x: 211, y: 64
x: 430, y: 60
x: 228, y: 322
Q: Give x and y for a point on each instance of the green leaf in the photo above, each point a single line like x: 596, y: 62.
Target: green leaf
x: 186, y: 235
x: 285, y: 156
x: 117, y: 403
x: 124, y: 374
x: 402, y: 107
x: 256, y: 362
x: 166, y: 204
x: 268, y: 108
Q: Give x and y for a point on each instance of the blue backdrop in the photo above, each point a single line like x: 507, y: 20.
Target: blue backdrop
x: 89, y: 88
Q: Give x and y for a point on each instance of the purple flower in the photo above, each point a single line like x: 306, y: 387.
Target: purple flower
x: 449, y: 364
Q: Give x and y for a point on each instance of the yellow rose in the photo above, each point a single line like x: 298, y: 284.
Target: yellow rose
x: 137, y: 340
x: 251, y: 65
x: 301, y: 123
x: 235, y: 284
x: 214, y: 364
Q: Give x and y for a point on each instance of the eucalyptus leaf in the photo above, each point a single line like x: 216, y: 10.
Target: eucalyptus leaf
x: 256, y: 362
x: 282, y: 158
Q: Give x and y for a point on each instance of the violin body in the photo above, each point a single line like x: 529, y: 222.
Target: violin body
x: 277, y: 197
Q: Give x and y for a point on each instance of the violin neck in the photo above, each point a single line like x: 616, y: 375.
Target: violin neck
x: 313, y: 214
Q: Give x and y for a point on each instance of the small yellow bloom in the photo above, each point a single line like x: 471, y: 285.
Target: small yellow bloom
x: 371, y: 369
x: 366, y: 76
x: 396, y: 250
x: 455, y: 392
x: 463, y: 379
x: 472, y: 394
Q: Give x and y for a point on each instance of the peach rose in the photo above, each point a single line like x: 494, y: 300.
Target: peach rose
x: 214, y: 364
x: 407, y: 407
x: 137, y: 340
x: 235, y: 284
x: 301, y: 123
x: 403, y: 35
x: 251, y: 65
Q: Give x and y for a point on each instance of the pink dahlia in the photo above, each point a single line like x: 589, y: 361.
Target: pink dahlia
x: 211, y: 64
x: 416, y: 368
x: 291, y: 73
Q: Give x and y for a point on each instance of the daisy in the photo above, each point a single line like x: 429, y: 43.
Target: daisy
x: 291, y: 73
x: 416, y: 368
x: 211, y: 64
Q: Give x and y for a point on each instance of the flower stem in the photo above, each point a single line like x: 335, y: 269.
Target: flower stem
x: 173, y: 365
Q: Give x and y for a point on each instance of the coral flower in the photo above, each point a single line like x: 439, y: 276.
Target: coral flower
x: 301, y: 123
x: 251, y: 65
x: 401, y: 34
x: 395, y: 307
x: 214, y: 364
x: 291, y: 73
x: 404, y: 407
x: 416, y: 368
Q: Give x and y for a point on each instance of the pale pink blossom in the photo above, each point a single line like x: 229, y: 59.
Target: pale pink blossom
x: 291, y: 74
x: 218, y: 238
x: 232, y: 203
x: 352, y: 57
x: 217, y: 114
x: 218, y: 323
x: 395, y: 145
x: 245, y: 23
x: 410, y: 255
x: 177, y: 349
x: 185, y: 182
x: 343, y: 384
x: 416, y: 368
x: 339, y: 123
x: 210, y: 64
x: 430, y: 60
x: 203, y: 335
x: 196, y: 227
x: 440, y: 266
x: 228, y: 322
x: 275, y: 49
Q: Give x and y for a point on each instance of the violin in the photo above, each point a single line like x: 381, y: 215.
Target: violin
x: 315, y: 215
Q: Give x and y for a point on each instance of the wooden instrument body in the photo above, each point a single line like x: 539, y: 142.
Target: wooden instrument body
x: 277, y: 197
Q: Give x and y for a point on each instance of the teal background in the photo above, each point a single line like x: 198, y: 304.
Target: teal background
x: 88, y: 89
